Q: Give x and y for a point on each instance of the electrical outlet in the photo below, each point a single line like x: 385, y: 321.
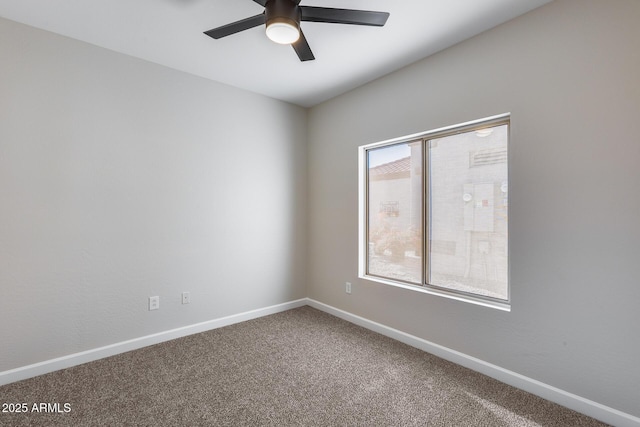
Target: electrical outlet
x: 154, y: 303
x: 347, y: 287
x: 186, y: 298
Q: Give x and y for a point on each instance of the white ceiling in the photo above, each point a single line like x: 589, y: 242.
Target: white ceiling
x: 170, y: 32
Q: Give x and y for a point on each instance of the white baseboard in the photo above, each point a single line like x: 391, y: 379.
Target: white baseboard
x: 553, y: 394
x: 68, y: 361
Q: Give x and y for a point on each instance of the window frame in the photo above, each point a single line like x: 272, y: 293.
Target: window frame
x: 363, y: 212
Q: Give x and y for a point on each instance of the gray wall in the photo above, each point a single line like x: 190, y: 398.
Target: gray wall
x: 121, y: 179
x: 568, y: 72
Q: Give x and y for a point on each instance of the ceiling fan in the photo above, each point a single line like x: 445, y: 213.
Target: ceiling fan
x: 283, y: 17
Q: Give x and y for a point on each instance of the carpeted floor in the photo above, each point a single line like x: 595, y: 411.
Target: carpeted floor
x: 300, y: 367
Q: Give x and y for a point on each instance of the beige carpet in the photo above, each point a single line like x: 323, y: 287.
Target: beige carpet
x: 300, y: 367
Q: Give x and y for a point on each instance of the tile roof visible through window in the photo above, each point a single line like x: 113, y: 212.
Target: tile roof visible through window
x: 397, y: 169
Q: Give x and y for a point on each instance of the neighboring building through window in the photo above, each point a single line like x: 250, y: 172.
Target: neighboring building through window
x: 435, y: 211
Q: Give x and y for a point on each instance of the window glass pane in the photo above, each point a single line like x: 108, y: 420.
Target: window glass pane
x: 394, y: 209
x: 468, y: 212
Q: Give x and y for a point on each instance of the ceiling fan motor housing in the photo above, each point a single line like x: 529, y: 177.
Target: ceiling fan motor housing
x: 283, y: 11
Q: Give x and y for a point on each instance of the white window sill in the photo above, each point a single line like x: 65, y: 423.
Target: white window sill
x: 498, y: 305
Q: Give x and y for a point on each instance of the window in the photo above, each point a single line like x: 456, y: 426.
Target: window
x: 434, y: 212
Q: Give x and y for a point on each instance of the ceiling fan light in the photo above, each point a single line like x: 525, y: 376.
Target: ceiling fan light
x: 283, y: 32
x: 482, y: 133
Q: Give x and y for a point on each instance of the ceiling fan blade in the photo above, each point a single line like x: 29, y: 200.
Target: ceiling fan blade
x: 302, y: 49
x: 236, y: 27
x: 343, y: 16
x: 261, y: 2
